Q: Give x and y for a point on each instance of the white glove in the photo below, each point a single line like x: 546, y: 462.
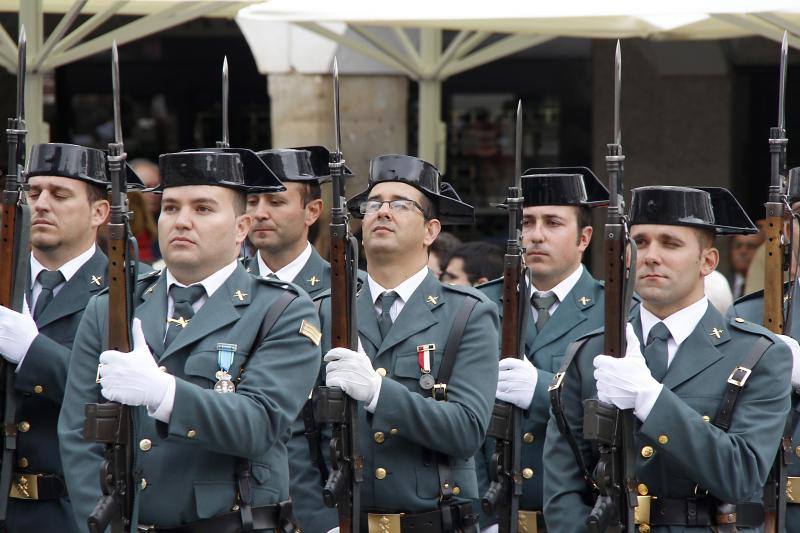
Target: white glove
x: 795, y: 347
x: 353, y: 373
x: 17, y: 331
x: 626, y: 382
x: 491, y: 529
x: 334, y: 530
x: 516, y: 381
x: 134, y: 378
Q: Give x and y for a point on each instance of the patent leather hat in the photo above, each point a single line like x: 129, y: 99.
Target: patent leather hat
x: 576, y: 186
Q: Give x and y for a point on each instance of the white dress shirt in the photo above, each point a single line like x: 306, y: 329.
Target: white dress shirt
x: 290, y: 271
x: 561, y: 291
x: 68, y: 270
x: 680, y: 324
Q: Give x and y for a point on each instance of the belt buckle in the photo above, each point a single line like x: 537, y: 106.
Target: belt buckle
x: 793, y: 489
x: 642, y: 512
x: 526, y: 522
x: 732, y: 379
x: 558, y: 379
x: 25, y: 487
x: 440, y: 392
x: 383, y: 523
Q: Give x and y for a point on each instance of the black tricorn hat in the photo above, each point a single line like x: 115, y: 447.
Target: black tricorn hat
x: 320, y: 157
x: 563, y: 186
x: 424, y: 177
x: 713, y: 208
x: 201, y: 168
x: 258, y: 177
x: 290, y: 164
x: 77, y: 162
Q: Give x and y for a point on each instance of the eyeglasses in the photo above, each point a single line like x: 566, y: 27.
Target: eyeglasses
x: 402, y: 205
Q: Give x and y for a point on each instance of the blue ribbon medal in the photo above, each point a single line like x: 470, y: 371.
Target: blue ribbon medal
x: 225, y: 354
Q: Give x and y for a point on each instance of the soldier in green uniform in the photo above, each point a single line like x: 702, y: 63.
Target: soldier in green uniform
x: 710, y: 395
x: 419, y: 426
x: 566, y: 303
x: 217, y: 380
x: 282, y: 221
x: 68, y: 203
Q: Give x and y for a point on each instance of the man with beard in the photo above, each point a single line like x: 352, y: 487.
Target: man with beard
x: 566, y: 303
x: 67, y: 196
x: 709, y: 395
x: 222, y: 362
x: 424, y: 398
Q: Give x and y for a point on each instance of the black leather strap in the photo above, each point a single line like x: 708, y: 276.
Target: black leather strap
x: 314, y: 438
x: 702, y: 511
x: 277, y: 517
x: 737, y: 381
x: 558, y: 409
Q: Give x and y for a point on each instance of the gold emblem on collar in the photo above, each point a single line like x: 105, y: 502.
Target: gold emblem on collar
x: 431, y: 299
x: 584, y: 300
x: 314, y: 280
x: 151, y: 288
x: 97, y: 280
x: 248, y: 270
x: 717, y: 333
x: 239, y: 294
x: 182, y: 322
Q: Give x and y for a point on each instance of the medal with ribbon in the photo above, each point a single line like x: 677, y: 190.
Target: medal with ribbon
x: 425, y: 360
x: 225, y: 354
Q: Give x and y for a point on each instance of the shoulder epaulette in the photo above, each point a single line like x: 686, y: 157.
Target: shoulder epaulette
x: 322, y: 295
x: 489, y: 284
x: 467, y: 291
x: 148, y: 276
x: 277, y: 283
x: 741, y: 324
x: 748, y: 297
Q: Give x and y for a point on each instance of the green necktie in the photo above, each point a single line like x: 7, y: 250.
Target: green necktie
x: 542, y: 301
x: 387, y: 299
x: 49, y: 280
x: 655, y: 351
x: 182, y: 311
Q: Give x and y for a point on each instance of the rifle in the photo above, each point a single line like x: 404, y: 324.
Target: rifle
x: 14, y: 264
x: 614, y: 509
x: 226, y: 139
x: 331, y: 404
x: 111, y: 423
x: 505, y: 489
x: 776, y: 263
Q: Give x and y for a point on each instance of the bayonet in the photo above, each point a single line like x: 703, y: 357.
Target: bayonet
x: 782, y: 83
x: 22, y: 47
x: 617, y: 94
x: 518, y: 148
x: 336, y: 123
x: 115, y: 93
x: 226, y: 140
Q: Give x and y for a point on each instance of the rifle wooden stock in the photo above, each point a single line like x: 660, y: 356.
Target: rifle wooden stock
x: 773, y: 269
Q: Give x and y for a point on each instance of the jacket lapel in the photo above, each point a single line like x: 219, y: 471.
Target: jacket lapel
x: 368, y: 319
x: 699, y: 350
x: 218, y: 311
x: 315, y: 274
x: 73, y: 297
x: 569, y: 313
x: 416, y: 314
x: 153, y: 313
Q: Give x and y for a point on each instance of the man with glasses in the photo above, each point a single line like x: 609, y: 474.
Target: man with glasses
x: 425, y: 394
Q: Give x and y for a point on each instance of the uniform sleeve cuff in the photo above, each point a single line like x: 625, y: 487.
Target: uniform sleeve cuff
x: 645, y: 400
x: 164, y: 409
x: 373, y: 404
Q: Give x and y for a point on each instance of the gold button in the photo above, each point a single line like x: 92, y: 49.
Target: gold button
x: 527, y: 438
x: 379, y: 437
x: 143, y: 484
x: 739, y: 319
x: 644, y: 528
x: 394, y: 431
x: 663, y: 439
x: 380, y: 473
x: 145, y: 445
x: 647, y: 452
x: 162, y: 368
x: 456, y: 490
x: 642, y: 489
x: 38, y: 389
x: 191, y: 433
x: 706, y: 418
x: 23, y: 462
x: 527, y: 473
x: 797, y: 451
x: 235, y: 508
x: 24, y: 426
x: 382, y: 372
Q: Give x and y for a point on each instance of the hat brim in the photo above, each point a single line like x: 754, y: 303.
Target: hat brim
x: 450, y: 211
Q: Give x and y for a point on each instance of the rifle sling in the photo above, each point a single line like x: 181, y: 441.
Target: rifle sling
x: 243, y: 465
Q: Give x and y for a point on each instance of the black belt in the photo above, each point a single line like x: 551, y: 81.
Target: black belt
x: 37, y: 487
x: 278, y: 517
x: 703, y: 512
x: 460, y: 516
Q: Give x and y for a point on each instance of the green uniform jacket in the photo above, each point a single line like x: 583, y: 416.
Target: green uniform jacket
x: 314, y: 277
x: 687, y: 450
x: 580, y: 313
x: 189, y: 467
x: 39, y: 383
x: 406, y: 420
x: 751, y: 307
